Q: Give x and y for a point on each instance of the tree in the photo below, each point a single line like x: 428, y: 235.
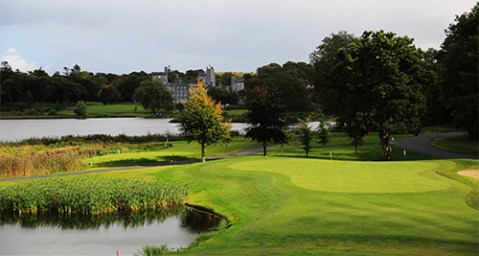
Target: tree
x: 305, y: 135
x: 329, y: 87
x: 290, y: 81
x: 201, y: 120
x: 223, y: 95
x: 153, y: 95
x: 265, y: 116
x: 80, y: 109
x: 357, y: 129
x: 323, y: 134
x: 108, y: 93
x: 381, y: 74
x: 458, y: 62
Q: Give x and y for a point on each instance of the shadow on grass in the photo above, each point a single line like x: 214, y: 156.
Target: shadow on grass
x: 143, y: 161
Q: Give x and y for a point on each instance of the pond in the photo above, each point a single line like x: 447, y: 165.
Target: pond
x: 14, y: 130
x: 103, y: 234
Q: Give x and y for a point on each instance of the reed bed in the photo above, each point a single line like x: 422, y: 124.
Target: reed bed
x: 89, y: 195
x: 31, y: 160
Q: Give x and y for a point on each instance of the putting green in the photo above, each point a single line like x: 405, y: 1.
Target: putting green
x: 352, y: 177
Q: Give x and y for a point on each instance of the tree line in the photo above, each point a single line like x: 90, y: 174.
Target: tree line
x: 377, y: 81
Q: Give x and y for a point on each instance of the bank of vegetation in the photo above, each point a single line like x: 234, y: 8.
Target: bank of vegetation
x: 41, y: 156
x: 89, y: 195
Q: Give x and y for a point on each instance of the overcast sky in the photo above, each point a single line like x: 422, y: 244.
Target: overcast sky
x: 121, y: 36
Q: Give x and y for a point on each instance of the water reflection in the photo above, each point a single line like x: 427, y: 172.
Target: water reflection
x: 48, y: 234
x: 195, y: 221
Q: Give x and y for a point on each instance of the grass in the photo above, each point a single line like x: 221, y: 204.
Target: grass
x: 312, y: 206
x: 180, y: 150
x: 298, y: 206
x: 341, y: 149
x: 97, y: 109
x: 88, y: 195
x: 458, y: 144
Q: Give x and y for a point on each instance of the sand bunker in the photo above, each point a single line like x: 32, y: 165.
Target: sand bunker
x: 470, y: 173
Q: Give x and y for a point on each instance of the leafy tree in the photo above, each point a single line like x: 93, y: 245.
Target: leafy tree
x: 80, y: 109
x: 265, y: 116
x: 323, y: 134
x: 223, y: 95
x: 329, y: 87
x: 290, y: 81
x: 153, y: 95
x: 458, y: 62
x: 381, y: 73
x: 201, y: 120
x: 108, y: 93
x: 305, y: 135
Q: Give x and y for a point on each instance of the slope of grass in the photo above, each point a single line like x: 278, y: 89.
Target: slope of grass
x: 180, y: 150
x: 458, y: 144
x: 297, y: 206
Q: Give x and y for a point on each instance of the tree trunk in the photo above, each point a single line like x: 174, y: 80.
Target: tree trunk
x: 264, y: 148
x: 385, y: 150
x: 203, y: 158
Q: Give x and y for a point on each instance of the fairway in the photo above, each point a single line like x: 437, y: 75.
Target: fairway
x: 294, y: 206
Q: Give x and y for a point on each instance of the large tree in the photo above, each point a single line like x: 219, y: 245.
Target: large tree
x: 265, y: 116
x: 329, y: 86
x: 201, y: 120
x: 381, y: 74
x: 153, y: 95
x: 458, y: 62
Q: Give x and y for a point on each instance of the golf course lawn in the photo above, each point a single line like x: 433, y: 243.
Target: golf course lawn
x: 299, y: 206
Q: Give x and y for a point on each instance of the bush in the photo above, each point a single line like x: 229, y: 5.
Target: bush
x: 80, y: 109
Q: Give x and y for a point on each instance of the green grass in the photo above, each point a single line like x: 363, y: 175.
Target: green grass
x: 87, y: 195
x: 235, y: 112
x: 458, y: 144
x: 180, y: 150
x: 298, y: 206
x: 97, y: 109
x: 341, y: 149
x: 311, y: 206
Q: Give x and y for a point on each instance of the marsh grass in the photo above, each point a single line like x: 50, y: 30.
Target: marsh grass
x: 89, y: 195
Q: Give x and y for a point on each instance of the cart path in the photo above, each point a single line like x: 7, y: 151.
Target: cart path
x: 422, y: 144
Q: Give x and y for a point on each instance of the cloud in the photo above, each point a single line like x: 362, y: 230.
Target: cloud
x: 17, y: 61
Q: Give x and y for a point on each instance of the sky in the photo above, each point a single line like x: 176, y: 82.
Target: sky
x: 122, y: 36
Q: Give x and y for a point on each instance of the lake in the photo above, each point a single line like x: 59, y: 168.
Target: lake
x: 14, y: 130
x: 101, y: 235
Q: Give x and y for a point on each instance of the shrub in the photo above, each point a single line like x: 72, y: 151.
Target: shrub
x: 80, y: 109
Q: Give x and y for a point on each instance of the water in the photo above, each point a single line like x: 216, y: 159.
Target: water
x: 100, y: 235
x: 14, y: 130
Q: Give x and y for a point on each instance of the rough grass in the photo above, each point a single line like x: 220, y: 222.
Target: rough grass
x: 458, y: 144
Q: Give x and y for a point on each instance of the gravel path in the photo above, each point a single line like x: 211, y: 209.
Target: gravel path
x: 422, y: 144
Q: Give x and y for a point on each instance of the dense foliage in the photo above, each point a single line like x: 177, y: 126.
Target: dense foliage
x: 381, y: 74
x: 88, y: 195
x: 265, y: 116
x: 153, y: 95
x: 458, y: 68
